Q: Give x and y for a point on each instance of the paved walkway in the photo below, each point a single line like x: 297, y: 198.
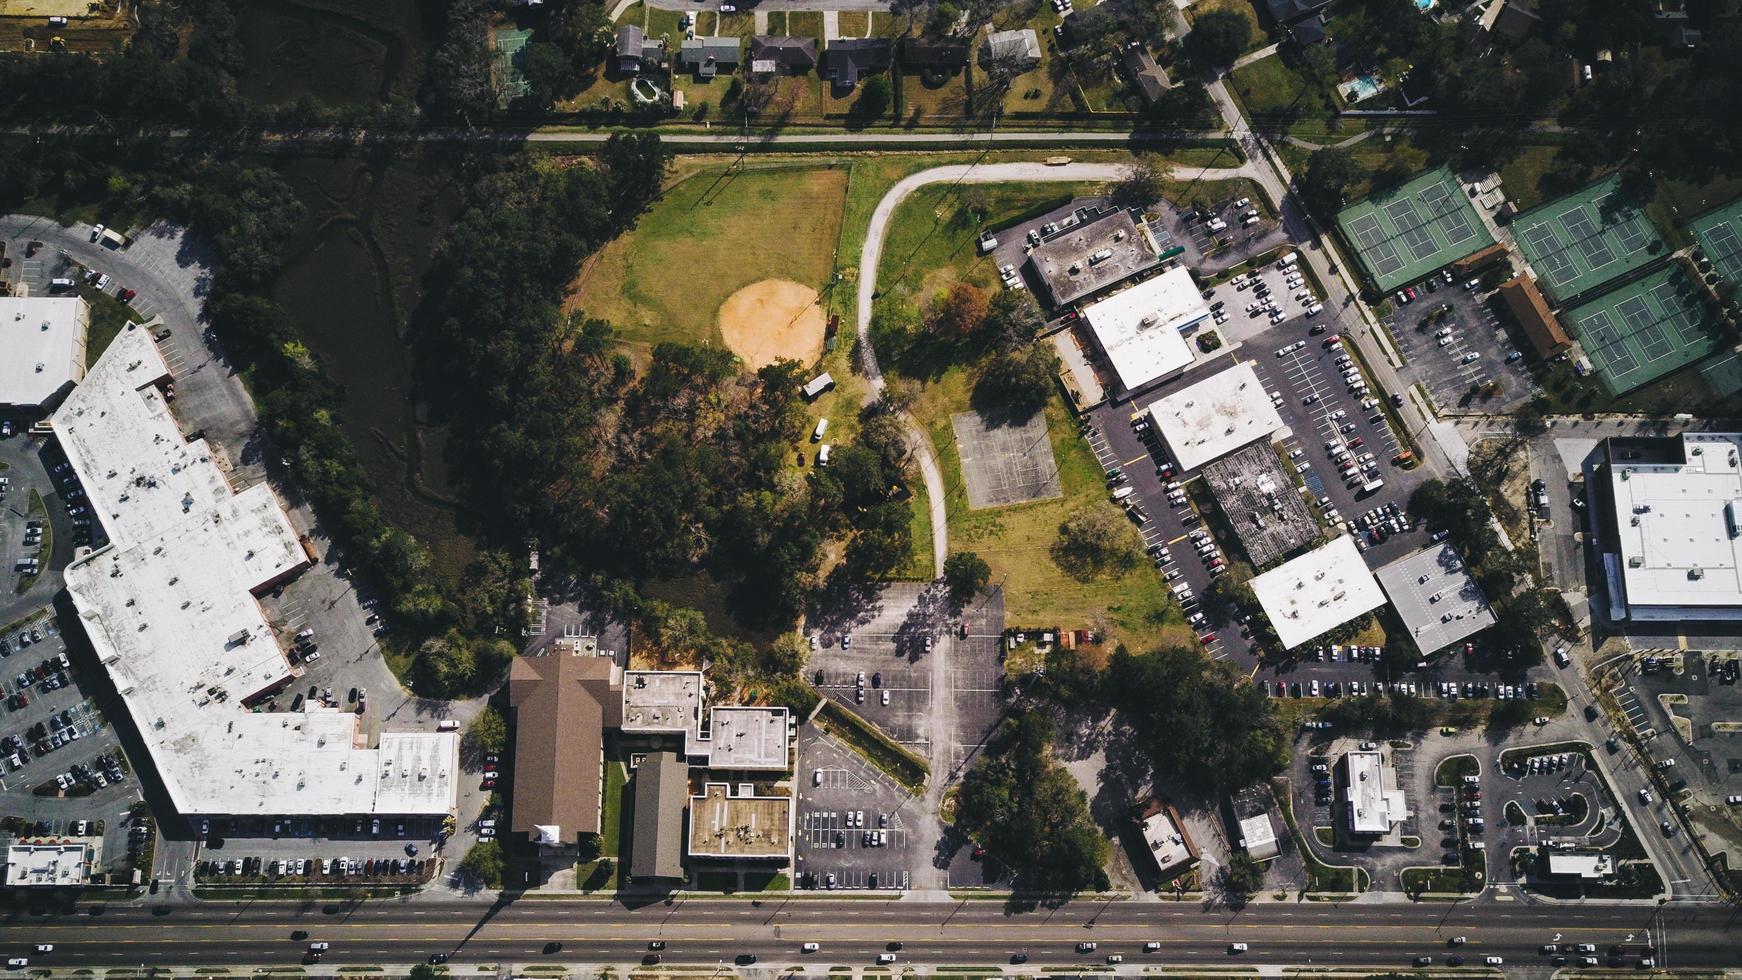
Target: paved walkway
x: 1251, y: 56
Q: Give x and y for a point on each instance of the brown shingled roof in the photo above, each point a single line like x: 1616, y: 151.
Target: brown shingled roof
x: 562, y: 703
x: 1539, y: 323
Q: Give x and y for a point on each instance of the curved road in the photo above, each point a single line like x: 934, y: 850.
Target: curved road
x: 871, y: 257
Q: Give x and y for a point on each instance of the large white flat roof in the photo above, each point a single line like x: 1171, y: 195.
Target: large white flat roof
x: 1318, y: 591
x: 1435, y: 597
x: 1139, y: 328
x: 1216, y: 416
x: 741, y: 737
x: 170, y: 610
x: 1679, y: 526
x: 47, y: 864
x: 42, y: 346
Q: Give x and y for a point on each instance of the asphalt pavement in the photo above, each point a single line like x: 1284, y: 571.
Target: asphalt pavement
x: 854, y: 932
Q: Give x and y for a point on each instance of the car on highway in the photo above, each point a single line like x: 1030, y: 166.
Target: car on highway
x: 886, y: 958
x: 809, y: 948
x: 1019, y: 957
x: 1494, y: 960
x: 1085, y: 947
x: 1237, y: 947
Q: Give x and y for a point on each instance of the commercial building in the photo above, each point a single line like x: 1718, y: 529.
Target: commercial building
x: 1669, y: 515
x: 661, y: 788
x: 564, y: 700
x: 47, y: 864
x: 1166, y: 844
x: 1089, y: 254
x: 572, y: 702
x: 1317, y: 592
x: 1258, y: 837
x: 1371, y: 802
x: 1583, y: 865
x: 1262, y: 504
x: 1435, y: 597
x: 170, y: 610
x: 1547, y: 337
x: 42, y: 349
x: 1141, y: 330
x: 736, y: 823
x: 1214, y: 417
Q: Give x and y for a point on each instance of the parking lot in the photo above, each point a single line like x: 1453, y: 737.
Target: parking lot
x: 1454, y: 341
x: 1209, y: 249
x: 316, y: 849
x: 62, y: 763
x: 853, y: 821
x: 1709, y: 766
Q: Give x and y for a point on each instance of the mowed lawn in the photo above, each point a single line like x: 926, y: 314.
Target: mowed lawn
x: 712, y: 234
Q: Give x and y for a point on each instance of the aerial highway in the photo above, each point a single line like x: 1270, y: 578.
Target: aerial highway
x: 715, y: 931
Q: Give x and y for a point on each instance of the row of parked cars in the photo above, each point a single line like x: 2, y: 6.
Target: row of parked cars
x: 50, y: 675
x: 342, y: 867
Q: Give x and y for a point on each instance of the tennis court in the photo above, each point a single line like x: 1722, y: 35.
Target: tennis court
x: 1581, y: 241
x: 1405, y: 233
x: 1720, y: 236
x: 1644, y: 330
x: 510, y: 82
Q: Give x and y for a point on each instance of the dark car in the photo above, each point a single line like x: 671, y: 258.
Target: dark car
x: 656, y: 944
x: 438, y: 957
x: 1019, y: 957
x: 650, y: 959
x: 745, y: 959
x: 553, y: 947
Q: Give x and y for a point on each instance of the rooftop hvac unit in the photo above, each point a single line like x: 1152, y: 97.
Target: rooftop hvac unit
x: 746, y: 789
x: 1696, y: 573
x: 1636, y: 561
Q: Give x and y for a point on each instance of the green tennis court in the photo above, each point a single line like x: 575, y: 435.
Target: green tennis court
x: 1402, y: 234
x: 1583, y: 240
x: 1643, y: 330
x: 1724, y: 374
x: 510, y: 82
x: 1719, y: 233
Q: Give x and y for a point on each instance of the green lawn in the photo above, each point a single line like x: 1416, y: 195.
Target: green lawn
x: 108, y: 316
x: 1242, y: 7
x: 1276, y: 96
x: 715, y: 232
x: 615, y: 779
x: 804, y: 23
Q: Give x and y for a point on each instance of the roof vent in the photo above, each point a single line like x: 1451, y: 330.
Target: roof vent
x: 1696, y: 573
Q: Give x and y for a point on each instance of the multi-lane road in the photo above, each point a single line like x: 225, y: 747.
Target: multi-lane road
x: 855, y: 931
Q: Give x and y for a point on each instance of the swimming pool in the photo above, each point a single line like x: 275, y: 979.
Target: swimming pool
x: 1360, y: 87
x: 1426, y: 5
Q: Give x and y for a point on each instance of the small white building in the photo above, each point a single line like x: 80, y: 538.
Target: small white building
x: 1372, y: 802
x: 1317, y: 592
x: 1584, y: 865
x: 1018, y: 50
x: 47, y: 864
x: 42, y: 348
x: 1258, y: 837
x: 1216, y: 416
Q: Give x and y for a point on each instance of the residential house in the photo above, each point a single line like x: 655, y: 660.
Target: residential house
x: 846, y: 60
x: 635, y: 48
x: 1015, y: 50
x: 1149, y: 78
x: 1289, y: 11
x: 772, y: 54
x: 709, y: 56
x: 1309, y: 31
x: 1514, y: 20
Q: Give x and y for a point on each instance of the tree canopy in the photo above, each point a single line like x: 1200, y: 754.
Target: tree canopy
x: 1197, y: 723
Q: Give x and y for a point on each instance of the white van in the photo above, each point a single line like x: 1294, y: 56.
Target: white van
x: 823, y: 454
x: 1287, y: 261
x: 1123, y: 492
x: 820, y: 431
x: 1315, y: 309
x: 447, y: 725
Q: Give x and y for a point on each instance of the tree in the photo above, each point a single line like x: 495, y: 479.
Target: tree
x: 483, y: 864
x: 874, y: 100
x: 966, y: 573
x: 787, y: 655
x: 423, y: 971
x: 1013, y: 318
x: 487, y: 734
x: 545, y: 69
x: 1245, y: 876
x: 1140, y: 189
x: 1218, y: 37
x: 1018, y: 381
x: 1326, y: 179
x: 1198, y: 723
x: 1093, y: 542
x: 960, y: 311
x: 1029, y: 813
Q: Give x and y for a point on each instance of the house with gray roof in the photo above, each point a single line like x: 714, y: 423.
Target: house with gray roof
x: 846, y: 59
x: 1149, y: 78
x: 771, y: 54
x: 1018, y: 50
x: 709, y: 56
x: 635, y: 48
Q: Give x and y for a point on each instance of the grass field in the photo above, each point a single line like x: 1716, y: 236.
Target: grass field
x: 1277, y: 96
x: 715, y: 231
x: 108, y: 316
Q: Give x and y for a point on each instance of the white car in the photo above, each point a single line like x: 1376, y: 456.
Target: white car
x: 809, y: 948
x: 1237, y: 947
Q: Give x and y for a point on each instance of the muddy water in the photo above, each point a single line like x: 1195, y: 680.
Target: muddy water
x: 353, y: 269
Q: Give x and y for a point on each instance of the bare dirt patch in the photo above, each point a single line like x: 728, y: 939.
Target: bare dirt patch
x: 773, y: 319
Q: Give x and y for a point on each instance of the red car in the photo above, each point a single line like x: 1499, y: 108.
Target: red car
x: 1356, y: 443
x: 1206, y: 638
x: 126, y: 295
x: 487, y: 784
x: 1333, y: 339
